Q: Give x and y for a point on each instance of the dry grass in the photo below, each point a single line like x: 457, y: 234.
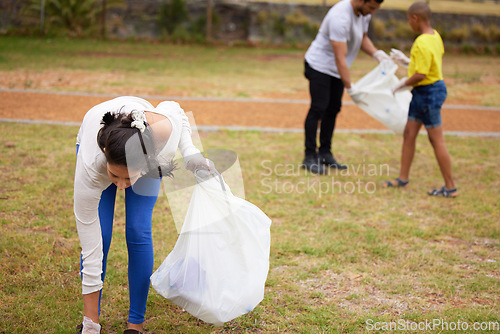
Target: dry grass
x: 338, y: 258
x: 170, y: 70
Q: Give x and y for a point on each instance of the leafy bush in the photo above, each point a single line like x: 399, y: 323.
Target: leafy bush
x: 297, y: 18
x: 180, y: 35
x: 378, y: 27
x: 172, y: 13
x: 74, y: 17
x: 298, y: 25
x: 311, y: 29
x: 262, y: 17
x: 481, y: 33
x: 467, y: 48
x: 403, y: 30
x: 458, y: 34
x: 442, y: 32
x: 279, y: 25
x: 495, y: 33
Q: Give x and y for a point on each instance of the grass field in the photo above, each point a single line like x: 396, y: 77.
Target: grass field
x: 180, y: 70
x: 344, y: 253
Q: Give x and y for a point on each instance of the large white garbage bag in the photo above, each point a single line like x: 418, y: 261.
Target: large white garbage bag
x: 378, y: 100
x: 219, y: 264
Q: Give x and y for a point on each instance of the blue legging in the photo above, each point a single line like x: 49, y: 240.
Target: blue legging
x: 138, y: 216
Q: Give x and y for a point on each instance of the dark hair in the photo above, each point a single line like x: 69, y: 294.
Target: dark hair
x: 377, y: 1
x: 422, y: 9
x: 125, y: 145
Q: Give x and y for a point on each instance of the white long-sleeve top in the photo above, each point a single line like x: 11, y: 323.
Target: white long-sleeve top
x: 91, y: 176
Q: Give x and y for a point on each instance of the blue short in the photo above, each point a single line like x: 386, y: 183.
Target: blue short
x: 426, y: 103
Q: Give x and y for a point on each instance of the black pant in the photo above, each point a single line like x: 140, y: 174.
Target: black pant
x: 326, y: 100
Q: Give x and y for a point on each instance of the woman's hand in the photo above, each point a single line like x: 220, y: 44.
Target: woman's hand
x: 199, y: 162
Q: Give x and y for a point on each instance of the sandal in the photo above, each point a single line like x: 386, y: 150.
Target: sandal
x: 443, y: 192
x: 400, y: 184
x: 131, y: 331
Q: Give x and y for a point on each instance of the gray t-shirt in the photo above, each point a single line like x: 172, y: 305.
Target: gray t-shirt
x: 340, y: 25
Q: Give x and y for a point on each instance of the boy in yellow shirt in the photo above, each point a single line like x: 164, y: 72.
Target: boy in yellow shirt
x: 429, y: 93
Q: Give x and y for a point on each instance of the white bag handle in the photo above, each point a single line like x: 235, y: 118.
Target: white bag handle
x: 203, y: 175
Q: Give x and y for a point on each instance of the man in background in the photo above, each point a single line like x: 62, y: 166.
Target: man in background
x: 341, y: 35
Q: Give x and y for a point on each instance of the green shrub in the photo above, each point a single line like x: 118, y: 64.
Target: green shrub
x: 272, y: 24
x: 495, y: 33
x: 403, y: 30
x: 297, y: 18
x: 467, y: 48
x: 180, y: 35
x: 279, y: 25
x: 197, y: 28
x: 311, y: 29
x: 171, y: 14
x: 262, y: 17
x: 75, y: 18
x: 458, y: 34
x: 481, y: 33
x: 297, y: 23
x: 442, y: 32
x: 378, y: 27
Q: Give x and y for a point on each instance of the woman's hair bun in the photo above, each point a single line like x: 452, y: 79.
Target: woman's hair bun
x: 108, y: 118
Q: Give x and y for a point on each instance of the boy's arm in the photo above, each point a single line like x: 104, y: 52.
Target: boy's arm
x: 414, y: 79
x: 405, y: 84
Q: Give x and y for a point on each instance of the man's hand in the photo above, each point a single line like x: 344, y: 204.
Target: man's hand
x: 400, y: 58
x: 380, y: 56
x: 400, y: 86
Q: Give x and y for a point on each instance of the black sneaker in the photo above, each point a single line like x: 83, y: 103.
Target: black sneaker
x: 327, y: 159
x: 313, y: 165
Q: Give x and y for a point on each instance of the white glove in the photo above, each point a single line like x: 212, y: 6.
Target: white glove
x: 199, y: 162
x: 202, y: 167
x: 356, y: 96
x: 380, y: 56
x: 400, y: 86
x: 206, y: 170
x: 400, y: 58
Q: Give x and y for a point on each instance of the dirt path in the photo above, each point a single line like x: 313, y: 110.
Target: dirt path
x: 270, y: 114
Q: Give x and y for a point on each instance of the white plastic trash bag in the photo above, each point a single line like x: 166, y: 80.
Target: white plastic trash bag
x: 378, y: 100
x: 219, y: 264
